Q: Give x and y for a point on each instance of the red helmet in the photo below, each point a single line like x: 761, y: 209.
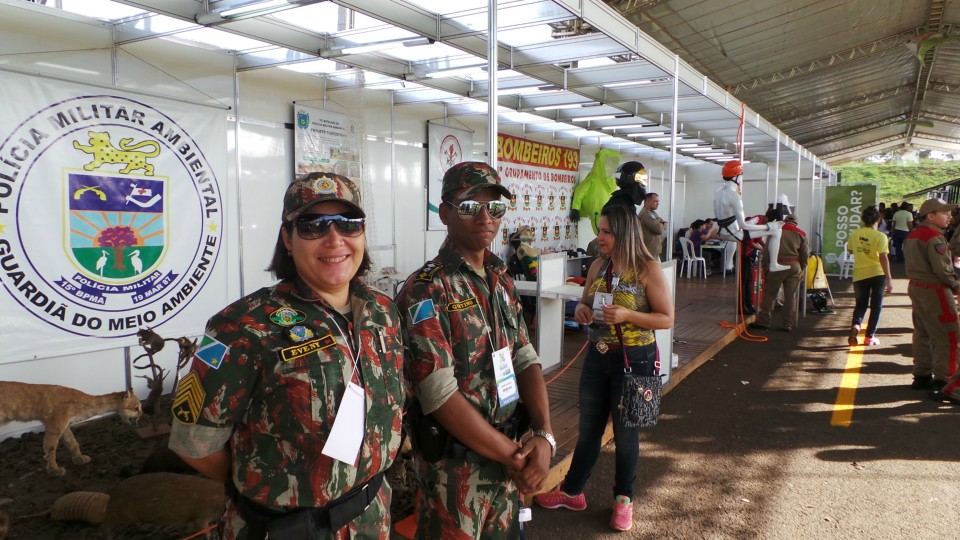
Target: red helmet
x: 732, y: 169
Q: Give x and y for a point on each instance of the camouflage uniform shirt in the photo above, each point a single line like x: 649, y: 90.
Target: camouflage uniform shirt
x: 271, y: 387
x: 455, y: 319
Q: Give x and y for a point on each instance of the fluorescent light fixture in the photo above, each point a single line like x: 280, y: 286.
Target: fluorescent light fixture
x: 689, y: 145
x: 708, y: 154
x: 627, y: 126
x: 454, y: 72
x: 418, y: 42
x: 662, y: 139
x: 590, y: 118
x: 625, y: 83
x: 256, y: 6
x: 647, y: 134
x: 565, y: 106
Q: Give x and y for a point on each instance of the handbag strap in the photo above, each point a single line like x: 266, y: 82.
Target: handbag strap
x: 608, y: 276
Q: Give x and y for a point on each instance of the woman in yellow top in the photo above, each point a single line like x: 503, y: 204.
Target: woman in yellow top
x: 639, y: 302
x: 871, y: 274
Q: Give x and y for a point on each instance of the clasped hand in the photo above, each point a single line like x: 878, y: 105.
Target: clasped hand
x: 531, y: 464
x: 611, y: 314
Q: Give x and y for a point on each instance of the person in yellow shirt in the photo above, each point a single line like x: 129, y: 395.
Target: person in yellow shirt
x: 871, y: 274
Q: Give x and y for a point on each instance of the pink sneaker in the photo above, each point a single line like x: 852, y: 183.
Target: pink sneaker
x: 622, y: 518
x: 559, y: 499
x: 871, y: 341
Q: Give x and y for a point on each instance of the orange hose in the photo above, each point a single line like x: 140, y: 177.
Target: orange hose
x: 575, y: 357
x: 204, y: 531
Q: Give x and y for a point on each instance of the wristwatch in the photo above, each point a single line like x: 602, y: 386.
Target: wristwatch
x: 549, y: 437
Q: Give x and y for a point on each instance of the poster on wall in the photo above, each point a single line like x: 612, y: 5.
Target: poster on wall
x: 841, y: 216
x: 541, y: 178
x: 111, y: 217
x: 326, y: 141
x: 446, y: 147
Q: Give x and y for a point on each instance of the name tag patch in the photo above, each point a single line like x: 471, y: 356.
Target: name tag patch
x: 308, y: 347
x: 462, y: 305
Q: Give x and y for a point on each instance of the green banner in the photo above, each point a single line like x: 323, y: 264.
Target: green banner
x: 841, y: 216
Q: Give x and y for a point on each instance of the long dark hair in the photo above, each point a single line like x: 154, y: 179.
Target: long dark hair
x: 283, y: 268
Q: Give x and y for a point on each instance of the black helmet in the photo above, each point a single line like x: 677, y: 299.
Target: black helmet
x: 631, y: 172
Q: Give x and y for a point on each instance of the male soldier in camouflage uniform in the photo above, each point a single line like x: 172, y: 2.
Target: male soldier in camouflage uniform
x: 932, y: 288
x: 270, y: 376
x: 651, y: 225
x: 794, y: 253
x: 460, y: 308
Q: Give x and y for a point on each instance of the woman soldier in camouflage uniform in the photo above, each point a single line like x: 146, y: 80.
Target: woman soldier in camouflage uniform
x: 295, y: 394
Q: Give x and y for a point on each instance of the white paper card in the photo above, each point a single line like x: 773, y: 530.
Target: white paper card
x: 601, y: 299
x: 345, y: 438
x: 507, y: 391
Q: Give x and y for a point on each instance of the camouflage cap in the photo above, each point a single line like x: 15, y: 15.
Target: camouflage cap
x: 930, y: 206
x: 475, y: 176
x: 317, y: 187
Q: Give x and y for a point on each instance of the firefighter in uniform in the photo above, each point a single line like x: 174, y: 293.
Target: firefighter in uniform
x: 793, y: 253
x: 932, y: 288
x: 295, y: 394
x: 471, y: 363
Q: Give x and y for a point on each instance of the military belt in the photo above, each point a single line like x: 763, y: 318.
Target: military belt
x: 263, y: 522
x: 458, y: 450
x: 924, y: 285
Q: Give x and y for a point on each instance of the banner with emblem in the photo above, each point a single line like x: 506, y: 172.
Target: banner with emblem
x: 541, y: 177
x: 446, y: 146
x: 111, y: 217
x: 841, y: 216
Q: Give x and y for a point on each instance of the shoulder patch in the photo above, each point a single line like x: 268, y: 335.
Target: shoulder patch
x: 463, y: 304
x: 307, y: 347
x: 286, y: 316
x: 941, y: 248
x: 188, y: 399
x: 211, y: 352
x: 421, y: 311
x: 426, y: 273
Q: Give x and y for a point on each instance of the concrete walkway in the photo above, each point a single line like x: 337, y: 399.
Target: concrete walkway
x: 747, y: 446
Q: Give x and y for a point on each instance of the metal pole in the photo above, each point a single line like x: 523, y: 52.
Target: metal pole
x: 673, y: 153
x: 492, y: 49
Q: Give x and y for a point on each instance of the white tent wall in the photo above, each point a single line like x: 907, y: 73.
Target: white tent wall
x: 84, y: 53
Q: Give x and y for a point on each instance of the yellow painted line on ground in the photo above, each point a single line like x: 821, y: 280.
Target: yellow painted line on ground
x: 843, y: 408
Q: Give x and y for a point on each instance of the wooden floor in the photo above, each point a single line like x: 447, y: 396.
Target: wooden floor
x: 703, y: 306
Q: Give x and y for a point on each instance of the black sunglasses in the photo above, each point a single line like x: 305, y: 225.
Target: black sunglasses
x: 496, y: 209
x: 313, y: 226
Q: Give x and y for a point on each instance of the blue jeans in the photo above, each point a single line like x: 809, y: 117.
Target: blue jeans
x: 898, y: 238
x: 869, y: 291
x: 600, y: 385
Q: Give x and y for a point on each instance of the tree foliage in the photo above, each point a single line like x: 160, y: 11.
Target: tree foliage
x: 896, y: 180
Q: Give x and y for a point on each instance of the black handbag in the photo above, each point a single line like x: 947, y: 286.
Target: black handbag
x: 639, y: 394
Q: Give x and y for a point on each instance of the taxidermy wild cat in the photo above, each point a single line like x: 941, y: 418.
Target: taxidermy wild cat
x: 58, y: 407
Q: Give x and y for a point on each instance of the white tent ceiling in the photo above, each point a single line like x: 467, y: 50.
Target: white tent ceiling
x: 828, y: 80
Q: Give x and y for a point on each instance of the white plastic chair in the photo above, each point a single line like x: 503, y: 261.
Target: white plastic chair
x: 846, y: 265
x: 690, y: 259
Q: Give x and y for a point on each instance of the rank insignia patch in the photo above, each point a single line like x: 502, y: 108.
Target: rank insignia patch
x: 211, y: 352
x: 189, y: 399
x: 307, y: 347
x: 300, y: 333
x: 287, y: 316
x: 462, y: 305
x: 421, y: 311
x: 426, y: 273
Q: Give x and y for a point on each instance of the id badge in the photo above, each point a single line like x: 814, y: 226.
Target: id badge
x: 601, y: 299
x: 346, y: 436
x: 507, y: 391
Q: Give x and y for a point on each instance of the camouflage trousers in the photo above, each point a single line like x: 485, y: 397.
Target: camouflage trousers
x: 372, y: 524
x: 469, y: 505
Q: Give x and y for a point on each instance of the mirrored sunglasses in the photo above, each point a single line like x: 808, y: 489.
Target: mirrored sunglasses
x: 496, y: 209
x: 313, y: 226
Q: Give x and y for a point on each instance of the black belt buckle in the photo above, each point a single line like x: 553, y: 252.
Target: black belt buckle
x: 462, y: 451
